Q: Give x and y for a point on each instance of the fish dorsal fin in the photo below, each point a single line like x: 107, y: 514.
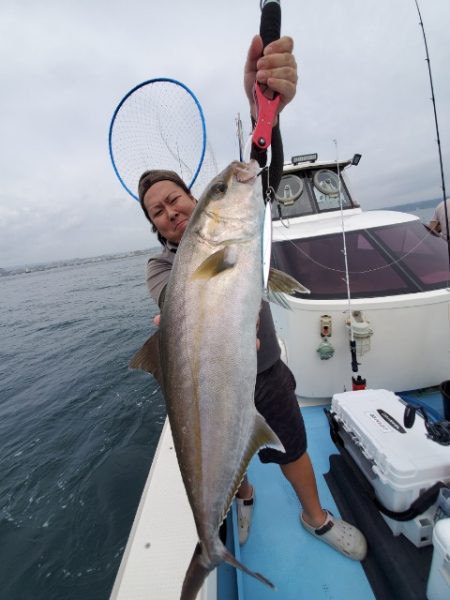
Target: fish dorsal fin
x: 216, y: 263
x: 262, y: 435
x: 148, y: 358
x: 282, y: 283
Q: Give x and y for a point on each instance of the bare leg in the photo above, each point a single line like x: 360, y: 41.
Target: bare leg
x: 245, y: 490
x: 244, y: 506
x: 300, y: 475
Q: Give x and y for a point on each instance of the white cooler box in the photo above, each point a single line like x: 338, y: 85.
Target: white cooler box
x: 399, y: 463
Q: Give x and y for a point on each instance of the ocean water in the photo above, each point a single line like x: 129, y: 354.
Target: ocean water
x: 78, y: 429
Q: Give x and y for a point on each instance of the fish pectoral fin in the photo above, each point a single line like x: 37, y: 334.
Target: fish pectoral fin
x: 148, y: 358
x: 281, y: 283
x: 216, y: 263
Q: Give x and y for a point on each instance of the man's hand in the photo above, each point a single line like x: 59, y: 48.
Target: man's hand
x: 275, y: 67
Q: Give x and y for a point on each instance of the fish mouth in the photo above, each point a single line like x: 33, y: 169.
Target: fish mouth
x: 247, y: 172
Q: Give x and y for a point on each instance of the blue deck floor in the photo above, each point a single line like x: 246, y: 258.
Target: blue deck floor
x: 301, y: 567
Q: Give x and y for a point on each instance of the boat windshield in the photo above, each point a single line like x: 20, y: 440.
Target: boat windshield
x: 396, y: 259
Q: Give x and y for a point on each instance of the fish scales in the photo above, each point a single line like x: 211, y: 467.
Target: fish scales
x: 208, y: 345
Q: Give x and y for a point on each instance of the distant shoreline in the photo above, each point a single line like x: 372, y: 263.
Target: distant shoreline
x: 71, y: 262
x: 411, y: 206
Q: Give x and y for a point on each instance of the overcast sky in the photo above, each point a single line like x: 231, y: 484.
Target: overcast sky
x: 67, y: 63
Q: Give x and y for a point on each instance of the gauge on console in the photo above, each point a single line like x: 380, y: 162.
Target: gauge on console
x: 327, y: 182
x: 289, y: 190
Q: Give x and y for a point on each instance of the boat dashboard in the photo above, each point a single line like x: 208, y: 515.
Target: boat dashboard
x: 312, y: 188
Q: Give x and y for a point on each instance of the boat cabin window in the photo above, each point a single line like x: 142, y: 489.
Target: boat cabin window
x: 424, y: 255
x: 384, y: 261
x: 309, y: 192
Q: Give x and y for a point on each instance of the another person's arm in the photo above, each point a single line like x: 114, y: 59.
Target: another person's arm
x: 434, y: 226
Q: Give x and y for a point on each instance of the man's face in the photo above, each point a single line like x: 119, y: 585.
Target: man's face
x: 169, y: 208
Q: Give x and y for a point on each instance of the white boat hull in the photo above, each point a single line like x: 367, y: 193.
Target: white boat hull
x: 409, y: 348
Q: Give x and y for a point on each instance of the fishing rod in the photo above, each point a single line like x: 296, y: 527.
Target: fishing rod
x: 269, y: 30
x: 358, y: 383
x: 266, y: 111
x: 438, y: 140
x: 259, y: 143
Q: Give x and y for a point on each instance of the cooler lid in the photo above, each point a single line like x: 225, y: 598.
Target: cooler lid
x: 404, y: 457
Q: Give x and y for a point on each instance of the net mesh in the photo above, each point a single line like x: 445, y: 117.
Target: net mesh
x: 159, y: 125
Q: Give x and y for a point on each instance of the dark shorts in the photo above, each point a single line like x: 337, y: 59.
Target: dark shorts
x: 275, y: 399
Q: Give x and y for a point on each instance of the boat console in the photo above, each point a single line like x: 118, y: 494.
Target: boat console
x: 309, y: 187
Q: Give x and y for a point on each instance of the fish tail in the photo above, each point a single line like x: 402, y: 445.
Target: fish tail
x: 198, y: 570
x: 195, y: 575
x: 229, y: 558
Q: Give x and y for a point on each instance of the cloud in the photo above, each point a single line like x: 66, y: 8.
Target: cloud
x: 363, y: 82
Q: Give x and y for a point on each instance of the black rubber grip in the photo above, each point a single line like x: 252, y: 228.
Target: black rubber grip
x: 270, y: 27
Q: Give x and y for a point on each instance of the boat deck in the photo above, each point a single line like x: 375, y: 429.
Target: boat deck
x: 298, y: 564
x: 301, y: 567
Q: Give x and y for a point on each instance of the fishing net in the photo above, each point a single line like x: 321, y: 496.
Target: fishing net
x: 160, y: 124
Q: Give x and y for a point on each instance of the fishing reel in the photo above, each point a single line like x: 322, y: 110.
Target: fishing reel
x: 438, y: 431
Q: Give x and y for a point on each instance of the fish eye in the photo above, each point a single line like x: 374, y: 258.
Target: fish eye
x: 219, y: 188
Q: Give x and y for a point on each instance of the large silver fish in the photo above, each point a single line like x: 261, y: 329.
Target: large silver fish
x: 207, y: 348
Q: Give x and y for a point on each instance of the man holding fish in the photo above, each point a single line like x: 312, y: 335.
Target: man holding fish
x: 205, y: 355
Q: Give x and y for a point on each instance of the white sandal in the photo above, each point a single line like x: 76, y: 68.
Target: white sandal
x: 339, y: 534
